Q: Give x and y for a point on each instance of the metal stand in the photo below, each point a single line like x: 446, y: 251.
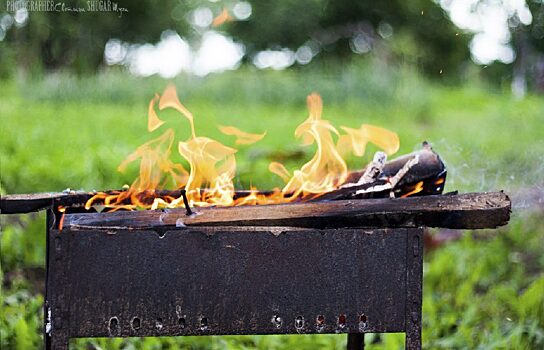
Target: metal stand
x: 83, y: 301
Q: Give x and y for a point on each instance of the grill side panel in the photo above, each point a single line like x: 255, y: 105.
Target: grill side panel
x: 229, y: 281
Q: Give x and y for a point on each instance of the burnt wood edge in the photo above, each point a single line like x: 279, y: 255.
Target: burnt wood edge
x: 430, y: 166
x: 464, y: 211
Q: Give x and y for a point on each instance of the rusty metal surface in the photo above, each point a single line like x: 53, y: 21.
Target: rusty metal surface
x: 229, y: 281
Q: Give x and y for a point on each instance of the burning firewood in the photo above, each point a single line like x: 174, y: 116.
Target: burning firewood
x: 466, y: 211
x: 415, y: 174
x: 429, y: 170
x: 209, y: 181
x: 372, y: 171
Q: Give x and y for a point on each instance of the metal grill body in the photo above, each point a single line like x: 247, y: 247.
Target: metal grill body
x: 233, y: 280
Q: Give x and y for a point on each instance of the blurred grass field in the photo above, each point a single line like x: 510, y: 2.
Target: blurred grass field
x: 485, y: 291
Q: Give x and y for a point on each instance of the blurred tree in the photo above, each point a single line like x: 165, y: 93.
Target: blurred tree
x: 76, y: 40
x: 528, y: 41
x: 414, y: 31
x: 338, y: 25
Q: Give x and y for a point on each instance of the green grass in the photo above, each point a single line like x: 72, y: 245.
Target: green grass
x: 484, y: 291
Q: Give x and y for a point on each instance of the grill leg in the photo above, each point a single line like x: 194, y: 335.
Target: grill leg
x: 356, y: 341
x: 414, y: 277
x: 413, y: 340
x: 56, y: 340
x: 57, y: 343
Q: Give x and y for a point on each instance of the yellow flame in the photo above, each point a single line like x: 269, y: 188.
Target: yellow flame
x: 169, y: 99
x: 357, y: 139
x: 213, y: 164
x: 212, y: 167
x: 326, y: 170
x: 242, y: 137
x: 280, y: 170
x: 155, y: 161
x: 153, y: 121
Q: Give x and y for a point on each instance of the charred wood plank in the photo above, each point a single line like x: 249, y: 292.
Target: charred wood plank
x: 465, y: 211
x: 26, y: 203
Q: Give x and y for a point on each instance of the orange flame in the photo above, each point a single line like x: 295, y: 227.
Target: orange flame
x: 212, y: 165
x: 223, y: 17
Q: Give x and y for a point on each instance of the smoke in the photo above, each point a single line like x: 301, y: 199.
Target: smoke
x: 475, y: 170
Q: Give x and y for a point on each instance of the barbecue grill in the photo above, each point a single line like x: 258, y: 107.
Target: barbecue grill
x: 341, y: 266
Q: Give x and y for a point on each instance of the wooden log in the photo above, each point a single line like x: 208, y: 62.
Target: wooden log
x: 429, y: 169
x: 466, y: 211
x: 429, y: 165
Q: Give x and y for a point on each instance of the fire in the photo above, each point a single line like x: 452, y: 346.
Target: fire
x: 242, y: 138
x: 213, y: 168
x: 212, y: 165
x: 326, y: 170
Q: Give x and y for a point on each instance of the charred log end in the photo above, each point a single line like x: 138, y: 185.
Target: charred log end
x: 487, y: 210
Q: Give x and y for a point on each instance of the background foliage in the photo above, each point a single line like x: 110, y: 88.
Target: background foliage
x: 67, y: 120
x: 484, y: 291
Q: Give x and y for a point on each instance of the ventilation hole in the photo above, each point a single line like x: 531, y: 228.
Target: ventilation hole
x: 203, y: 323
x: 136, y: 324
x: 363, y: 323
x: 320, y: 323
x: 181, y: 322
x: 320, y: 320
x: 299, y: 322
x: 277, y: 321
x: 158, y: 324
x: 114, y: 326
x: 342, y: 321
